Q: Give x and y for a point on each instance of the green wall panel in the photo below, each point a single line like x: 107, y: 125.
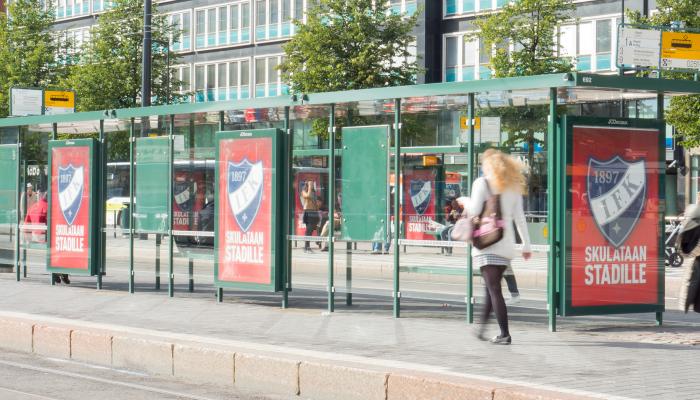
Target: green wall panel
x: 151, y: 194
x: 364, y: 182
x: 8, y: 184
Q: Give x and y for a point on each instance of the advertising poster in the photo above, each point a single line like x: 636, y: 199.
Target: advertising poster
x: 188, y: 201
x: 70, y: 208
x: 615, y: 211
x: 245, y: 223
x: 419, y: 195
x: 300, y: 179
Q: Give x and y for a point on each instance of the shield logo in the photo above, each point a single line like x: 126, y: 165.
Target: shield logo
x: 183, y: 195
x: 421, y: 194
x: 616, y: 193
x: 70, y: 191
x: 245, y: 189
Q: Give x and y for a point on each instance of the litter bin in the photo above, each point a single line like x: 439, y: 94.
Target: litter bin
x: 124, y: 217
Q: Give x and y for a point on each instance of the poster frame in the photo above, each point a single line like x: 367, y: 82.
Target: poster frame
x: 565, y: 275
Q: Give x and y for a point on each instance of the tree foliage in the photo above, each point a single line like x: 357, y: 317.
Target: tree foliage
x: 29, y: 50
x: 108, y: 72
x: 349, y: 44
x: 683, y: 112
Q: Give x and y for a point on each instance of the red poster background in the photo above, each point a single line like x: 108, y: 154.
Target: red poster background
x: 299, y: 179
x: 235, y: 150
x: 62, y: 157
x: 416, y: 224
x: 603, y: 144
x: 181, y: 222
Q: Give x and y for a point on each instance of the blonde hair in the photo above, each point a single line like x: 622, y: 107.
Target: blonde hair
x: 504, y: 171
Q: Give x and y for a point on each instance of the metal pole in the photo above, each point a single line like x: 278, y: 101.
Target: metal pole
x: 331, y: 207
x: 287, y: 224
x: 101, y: 207
x: 397, y: 204
x: 470, y: 181
x: 190, y: 271
x: 660, y: 116
x: 171, y: 272
x: 131, y: 205
x: 19, y: 203
x: 158, y: 242
x: 219, y: 290
x: 553, y: 157
x: 146, y: 62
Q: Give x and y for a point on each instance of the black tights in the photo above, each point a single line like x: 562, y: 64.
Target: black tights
x: 492, y: 275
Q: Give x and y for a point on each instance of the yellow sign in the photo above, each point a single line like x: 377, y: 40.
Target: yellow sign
x: 464, y: 124
x: 59, y: 102
x: 680, y: 50
x: 430, y: 160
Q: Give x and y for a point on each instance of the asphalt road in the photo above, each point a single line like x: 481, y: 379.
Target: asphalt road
x: 28, y: 377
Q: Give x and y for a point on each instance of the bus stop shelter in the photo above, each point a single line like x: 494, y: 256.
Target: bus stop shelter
x: 223, y: 184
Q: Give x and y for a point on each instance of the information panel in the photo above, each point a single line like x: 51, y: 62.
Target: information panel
x: 248, y: 210
x: 9, y: 157
x: 614, y: 216
x: 680, y: 50
x: 71, y: 208
x: 151, y: 194
x: 419, y: 203
x: 365, y: 183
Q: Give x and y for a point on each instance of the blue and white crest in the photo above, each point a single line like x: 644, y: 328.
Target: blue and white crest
x: 245, y: 190
x: 616, y: 193
x: 70, y: 191
x: 183, y: 195
x: 421, y: 194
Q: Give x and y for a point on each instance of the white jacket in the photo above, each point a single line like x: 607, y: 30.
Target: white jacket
x: 511, y: 210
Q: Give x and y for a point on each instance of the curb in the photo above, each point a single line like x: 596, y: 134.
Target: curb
x: 251, y: 367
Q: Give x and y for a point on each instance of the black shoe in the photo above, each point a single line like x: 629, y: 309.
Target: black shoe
x: 65, y: 279
x: 308, y: 250
x: 56, y: 278
x: 324, y: 249
x: 479, y: 332
x: 505, y: 340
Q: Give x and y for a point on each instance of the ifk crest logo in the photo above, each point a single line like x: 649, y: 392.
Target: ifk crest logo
x: 70, y: 191
x: 616, y: 194
x: 245, y: 189
x: 183, y: 195
x: 420, y: 195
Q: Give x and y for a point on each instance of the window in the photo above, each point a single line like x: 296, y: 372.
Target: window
x: 181, y: 21
x: 586, y: 46
x: 458, y: 7
x: 71, y: 8
x: 567, y: 41
x: 268, y: 79
x: 181, y: 73
x: 577, y: 42
x: 403, y: 6
x: 72, y: 41
x: 229, y: 80
x: 223, y: 25
x: 603, y: 44
x: 465, y: 59
x: 273, y: 18
x: 101, y: 5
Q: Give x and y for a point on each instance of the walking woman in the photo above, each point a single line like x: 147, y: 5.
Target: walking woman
x: 503, y: 178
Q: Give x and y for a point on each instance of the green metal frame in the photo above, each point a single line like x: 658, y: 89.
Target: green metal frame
x: 565, y: 224
x: 276, y: 259
x: 93, y: 252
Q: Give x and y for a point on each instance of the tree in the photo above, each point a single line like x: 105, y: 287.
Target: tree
x: 108, y: 72
x: 349, y: 44
x: 531, y: 27
x: 683, y: 112
x: 29, y: 50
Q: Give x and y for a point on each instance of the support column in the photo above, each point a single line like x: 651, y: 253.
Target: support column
x: 102, y: 235
x: 19, y: 193
x: 131, y: 206
x: 288, y: 205
x: 470, y: 180
x: 331, y: 208
x: 660, y: 115
x: 171, y: 272
x: 396, y: 294
x: 553, y: 158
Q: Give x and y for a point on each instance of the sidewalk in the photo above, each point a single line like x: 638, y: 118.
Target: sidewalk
x: 361, y: 351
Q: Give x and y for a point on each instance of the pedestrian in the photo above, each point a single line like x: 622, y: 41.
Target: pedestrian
x: 27, y: 200
x: 310, y: 218
x: 503, y: 178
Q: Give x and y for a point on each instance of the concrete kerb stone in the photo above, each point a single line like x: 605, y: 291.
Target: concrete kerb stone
x: 402, y: 386
x: 91, y: 347
x: 525, y: 393
x: 144, y: 355
x: 266, y: 374
x: 51, y: 341
x: 16, y: 335
x: 203, y: 364
x: 323, y: 381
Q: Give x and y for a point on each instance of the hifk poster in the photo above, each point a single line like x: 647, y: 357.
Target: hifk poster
x: 419, y: 195
x: 245, y: 210
x: 70, y: 207
x: 615, y: 214
x: 300, y: 179
x: 188, y: 199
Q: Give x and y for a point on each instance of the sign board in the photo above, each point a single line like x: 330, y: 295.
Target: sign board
x: 464, y: 123
x: 419, y: 203
x: 613, y: 221
x: 9, y: 158
x: 366, y: 195
x: 72, y: 209
x: 59, y: 102
x: 151, y: 177
x: 638, y: 47
x: 680, y: 50
x: 248, y: 248
x: 490, y: 129
x: 24, y: 102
